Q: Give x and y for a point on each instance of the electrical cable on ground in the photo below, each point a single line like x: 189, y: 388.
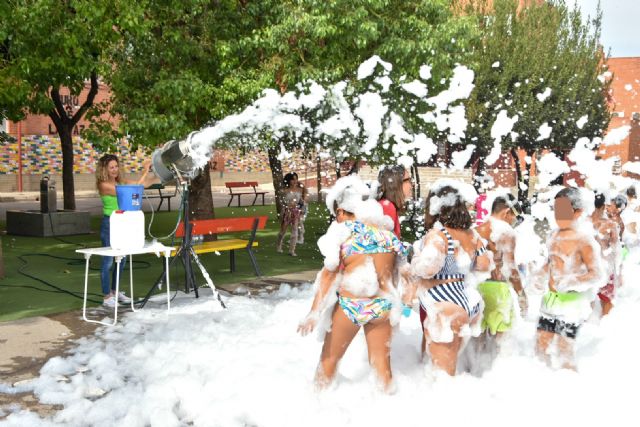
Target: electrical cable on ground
x: 80, y: 261
x: 57, y: 289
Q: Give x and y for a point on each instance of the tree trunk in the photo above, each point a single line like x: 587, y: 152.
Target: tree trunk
x: 200, y: 197
x: 560, y: 154
x: 68, y: 186
x: 416, y: 179
x: 522, y: 194
x: 479, y: 173
x: 276, y: 175
x: 319, y: 177
x: 65, y: 122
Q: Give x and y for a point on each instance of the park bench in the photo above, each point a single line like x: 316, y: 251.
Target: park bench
x: 155, y: 191
x: 226, y: 225
x: 236, y: 190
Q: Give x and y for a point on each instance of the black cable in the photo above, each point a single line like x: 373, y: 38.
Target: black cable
x: 81, y: 245
x: 81, y: 261
x: 58, y: 289
x: 53, y: 234
x: 72, y: 262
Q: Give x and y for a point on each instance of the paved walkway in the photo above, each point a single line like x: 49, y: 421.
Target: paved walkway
x: 27, y: 344
x: 89, y: 201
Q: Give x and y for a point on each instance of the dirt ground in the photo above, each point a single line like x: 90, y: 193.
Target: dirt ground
x: 27, y: 344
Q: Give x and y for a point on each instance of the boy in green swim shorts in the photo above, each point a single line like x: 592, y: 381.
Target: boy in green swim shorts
x: 573, y: 272
x: 497, y: 293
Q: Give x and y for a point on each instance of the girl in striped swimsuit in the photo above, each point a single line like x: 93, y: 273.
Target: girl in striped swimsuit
x: 441, y: 266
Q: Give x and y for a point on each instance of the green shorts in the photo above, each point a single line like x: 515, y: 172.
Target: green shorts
x: 498, y: 312
x: 572, y: 307
x: 625, y: 252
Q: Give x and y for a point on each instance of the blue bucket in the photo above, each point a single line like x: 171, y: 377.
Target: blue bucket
x: 129, y: 197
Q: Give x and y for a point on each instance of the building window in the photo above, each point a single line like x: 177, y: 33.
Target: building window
x: 616, y: 168
x: 4, y: 127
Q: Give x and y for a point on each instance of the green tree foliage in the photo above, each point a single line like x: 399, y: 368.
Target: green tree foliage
x: 521, y: 54
x: 190, y: 63
x: 187, y: 64
x: 47, y: 45
x: 327, y: 41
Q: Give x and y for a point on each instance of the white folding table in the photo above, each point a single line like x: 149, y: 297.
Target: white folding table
x: 119, y: 254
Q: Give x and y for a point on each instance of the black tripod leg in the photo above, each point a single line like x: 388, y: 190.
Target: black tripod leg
x: 189, y: 276
x: 157, y: 282
x: 193, y: 283
x: 254, y: 262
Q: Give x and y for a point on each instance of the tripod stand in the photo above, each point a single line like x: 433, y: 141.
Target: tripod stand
x: 185, y: 254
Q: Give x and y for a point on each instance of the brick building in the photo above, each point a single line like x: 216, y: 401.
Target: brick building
x: 625, y: 106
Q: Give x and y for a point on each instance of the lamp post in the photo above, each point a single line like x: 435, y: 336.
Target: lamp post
x: 19, y: 157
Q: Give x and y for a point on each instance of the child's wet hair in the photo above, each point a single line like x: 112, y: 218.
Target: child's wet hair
x: 573, y: 194
x: 620, y: 201
x: 599, y: 200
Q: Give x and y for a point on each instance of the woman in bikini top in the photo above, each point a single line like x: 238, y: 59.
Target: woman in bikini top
x: 355, y: 288
x: 367, y: 260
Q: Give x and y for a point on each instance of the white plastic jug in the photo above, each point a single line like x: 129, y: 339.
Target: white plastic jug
x: 126, y: 230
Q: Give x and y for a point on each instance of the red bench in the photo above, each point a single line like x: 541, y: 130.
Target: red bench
x: 236, y: 190
x: 222, y: 226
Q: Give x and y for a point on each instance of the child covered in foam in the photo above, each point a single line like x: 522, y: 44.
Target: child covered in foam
x: 572, y: 274
x: 355, y: 288
x: 607, y: 235
x: 443, y: 270
x: 504, y: 293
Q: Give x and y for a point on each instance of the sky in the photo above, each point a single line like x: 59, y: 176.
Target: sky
x: 619, y: 24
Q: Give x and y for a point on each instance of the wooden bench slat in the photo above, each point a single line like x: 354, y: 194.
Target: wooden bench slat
x: 218, y: 245
x: 222, y: 225
x: 239, y: 184
x: 226, y: 225
x: 244, y: 184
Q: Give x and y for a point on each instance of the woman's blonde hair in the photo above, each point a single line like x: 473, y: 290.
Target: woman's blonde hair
x: 102, y: 174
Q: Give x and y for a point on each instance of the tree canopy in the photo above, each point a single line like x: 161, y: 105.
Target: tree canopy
x: 543, y: 65
x: 180, y: 70
x: 47, y: 45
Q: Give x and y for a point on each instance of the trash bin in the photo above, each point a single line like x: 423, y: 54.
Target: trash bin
x: 48, y: 202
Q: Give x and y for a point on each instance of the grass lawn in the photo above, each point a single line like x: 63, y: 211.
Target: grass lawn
x: 53, y: 261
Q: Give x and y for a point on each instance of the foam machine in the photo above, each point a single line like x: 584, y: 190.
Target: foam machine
x: 173, y: 162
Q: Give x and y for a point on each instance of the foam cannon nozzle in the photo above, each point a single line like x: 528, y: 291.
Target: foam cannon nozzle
x: 172, y: 159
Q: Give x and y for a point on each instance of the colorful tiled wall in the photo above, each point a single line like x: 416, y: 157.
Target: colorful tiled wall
x: 42, y: 154
x: 239, y: 161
